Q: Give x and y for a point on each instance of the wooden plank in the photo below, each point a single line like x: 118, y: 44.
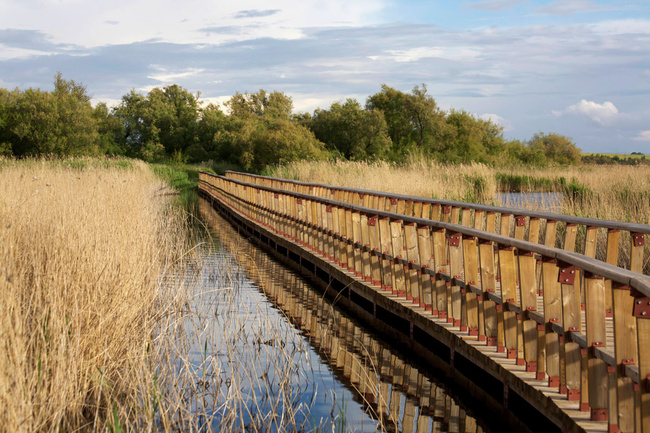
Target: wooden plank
x: 596, y: 337
x: 356, y: 237
x: 625, y: 351
x: 365, y: 254
x: 413, y: 256
x: 552, y: 314
x: 471, y: 265
x: 637, y: 245
x: 386, y: 249
x: 426, y: 261
x: 375, y: 246
x: 643, y: 345
x: 397, y: 245
x: 613, y: 237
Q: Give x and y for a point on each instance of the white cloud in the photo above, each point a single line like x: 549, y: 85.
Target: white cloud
x: 602, y: 114
x: 166, y: 76
x: 495, y: 118
x: 643, y: 136
x: 569, y: 7
x: 418, y: 53
x: 493, y: 5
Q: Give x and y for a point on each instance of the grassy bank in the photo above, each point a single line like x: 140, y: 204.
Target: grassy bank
x: 85, y: 246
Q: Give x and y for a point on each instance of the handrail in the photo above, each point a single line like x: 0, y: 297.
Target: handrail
x: 520, y: 296
x: 619, y: 275
x: 594, y: 222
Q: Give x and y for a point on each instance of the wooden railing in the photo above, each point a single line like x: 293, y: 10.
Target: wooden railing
x: 521, y: 296
x: 617, y: 243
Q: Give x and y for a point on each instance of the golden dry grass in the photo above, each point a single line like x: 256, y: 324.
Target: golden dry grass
x: 619, y: 193
x: 83, y: 251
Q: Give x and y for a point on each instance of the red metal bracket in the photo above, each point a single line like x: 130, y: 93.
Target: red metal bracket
x: 521, y: 220
x: 328, y: 209
x: 276, y: 195
x: 454, y: 239
x: 638, y: 238
x: 567, y: 275
x: 393, y: 201
x: 642, y: 308
x: 361, y: 195
x: 446, y: 209
x: 332, y: 191
x: 298, y: 201
x: 372, y: 221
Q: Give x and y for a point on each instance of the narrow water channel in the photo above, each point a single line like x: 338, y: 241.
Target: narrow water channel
x: 280, y: 357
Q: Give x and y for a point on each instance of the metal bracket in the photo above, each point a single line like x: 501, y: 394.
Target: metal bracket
x: 642, y: 308
x: 567, y: 274
x: 393, y: 201
x: 328, y: 209
x: 454, y: 239
x: 521, y: 220
x: 298, y: 201
x: 446, y: 209
x: 372, y: 221
x: 639, y: 239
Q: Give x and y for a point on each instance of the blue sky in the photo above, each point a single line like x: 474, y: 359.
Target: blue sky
x: 580, y: 68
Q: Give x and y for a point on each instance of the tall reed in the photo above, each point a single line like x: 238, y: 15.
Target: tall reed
x: 84, y: 247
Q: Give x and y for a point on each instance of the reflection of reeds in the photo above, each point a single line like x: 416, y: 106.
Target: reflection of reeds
x: 395, y: 395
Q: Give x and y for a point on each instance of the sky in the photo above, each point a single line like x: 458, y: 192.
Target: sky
x: 579, y: 68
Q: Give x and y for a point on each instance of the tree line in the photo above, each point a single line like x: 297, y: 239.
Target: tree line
x: 255, y: 130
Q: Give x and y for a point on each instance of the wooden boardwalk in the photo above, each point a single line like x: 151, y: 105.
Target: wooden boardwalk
x: 509, y: 307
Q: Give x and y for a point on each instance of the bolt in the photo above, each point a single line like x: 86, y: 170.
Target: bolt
x: 643, y: 313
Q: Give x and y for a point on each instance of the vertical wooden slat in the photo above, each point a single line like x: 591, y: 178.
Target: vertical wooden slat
x: 596, y: 337
x: 365, y: 242
x: 625, y: 352
x: 528, y: 296
x: 471, y: 265
x: 552, y: 313
x: 386, y: 249
x: 507, y: 271
x: 413, y: 256
x: 399, y: 285
x: 426, y: 262
x: 613, y: 237
x: 375, y: 247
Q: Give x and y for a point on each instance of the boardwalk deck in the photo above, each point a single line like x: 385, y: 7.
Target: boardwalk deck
x: 577, y: 380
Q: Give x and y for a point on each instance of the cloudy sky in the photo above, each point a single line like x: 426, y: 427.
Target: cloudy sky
x: 580, y: 68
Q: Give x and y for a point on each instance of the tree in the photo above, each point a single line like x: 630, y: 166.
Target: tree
x: 413, y: 120
x: 60, y: 122
x: 468, y: 138
x: 351, y: 131
x: 261, y: 132
x: 555, y: 148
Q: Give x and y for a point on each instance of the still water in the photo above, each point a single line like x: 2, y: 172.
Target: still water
x: 277, y: 356
x: 542, y: 201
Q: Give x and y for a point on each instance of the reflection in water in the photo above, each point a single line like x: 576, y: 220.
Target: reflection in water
x: 339, y: 376
x: 541, y: 201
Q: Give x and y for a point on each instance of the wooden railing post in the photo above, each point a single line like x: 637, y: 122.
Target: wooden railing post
x: 413, y: 257
x: 596, y: 338
x: 397, y: 244
x: 426, y: 262
x: 440, y: 263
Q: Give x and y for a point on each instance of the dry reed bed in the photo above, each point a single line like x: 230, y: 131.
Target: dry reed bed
x: 83, y: 251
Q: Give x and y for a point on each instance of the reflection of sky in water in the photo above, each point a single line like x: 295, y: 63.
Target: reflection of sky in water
x: 256, y: 369
x: 543, y: 201
x: 252, y: 346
